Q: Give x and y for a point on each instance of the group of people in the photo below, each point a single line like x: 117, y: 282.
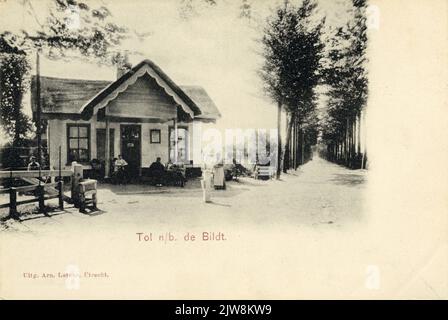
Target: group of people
x: 156, y: 169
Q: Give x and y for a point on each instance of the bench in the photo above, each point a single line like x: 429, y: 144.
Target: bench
x: 264, y: 172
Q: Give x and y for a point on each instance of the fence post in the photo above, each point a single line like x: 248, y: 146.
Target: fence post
x: 61, y: 194
x: 13, y: 203
x: 94, y: 201
x: 77, y: 176
x: 40, y: 195
x: 95, y: 197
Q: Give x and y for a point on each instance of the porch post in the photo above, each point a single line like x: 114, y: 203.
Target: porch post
x: 107, y: 156
x: 176, y: 136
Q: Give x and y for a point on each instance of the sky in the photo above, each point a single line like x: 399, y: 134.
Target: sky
x: 214, y: 48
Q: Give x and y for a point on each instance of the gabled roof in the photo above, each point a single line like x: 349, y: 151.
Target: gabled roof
x: 111, y: 91
x: 81, y: 97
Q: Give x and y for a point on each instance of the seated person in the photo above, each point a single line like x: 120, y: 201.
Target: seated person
x: 157, y: 170
x: 97, y: 169
x: 120, y: 163
x: 33, y: 165
x: 238, y: 169
x: 175, y: 174
x: 119, y: 169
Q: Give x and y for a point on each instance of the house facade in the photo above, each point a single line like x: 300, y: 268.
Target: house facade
x: 142, y: 115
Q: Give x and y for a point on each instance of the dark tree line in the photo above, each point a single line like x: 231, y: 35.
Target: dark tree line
x: 346, y: 75
x: 71, y: 29
x: 292, y: 51
x: 296, y: 62
x: 16, y: 125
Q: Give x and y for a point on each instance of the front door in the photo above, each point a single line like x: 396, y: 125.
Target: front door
x: 131, y: 147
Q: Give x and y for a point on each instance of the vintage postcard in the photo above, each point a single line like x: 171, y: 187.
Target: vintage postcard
x: 223, y: 149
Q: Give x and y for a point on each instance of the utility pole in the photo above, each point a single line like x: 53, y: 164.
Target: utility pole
x: 1, y: 75
x: 38, y: 111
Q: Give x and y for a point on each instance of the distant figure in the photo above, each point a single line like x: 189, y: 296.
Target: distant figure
x: 237, y: 169
x: 33, y: 165
x: 119, y: 169
x: 156, y: 170
x: 120, y: 163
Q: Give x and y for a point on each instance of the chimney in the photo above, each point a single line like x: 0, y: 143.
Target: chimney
x: 123, y: 66
x: 121, y: 70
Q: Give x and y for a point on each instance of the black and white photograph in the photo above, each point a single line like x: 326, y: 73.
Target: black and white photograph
x: 223, y: 149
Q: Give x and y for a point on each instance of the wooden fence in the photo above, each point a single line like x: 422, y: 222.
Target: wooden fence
x: 38, y: 188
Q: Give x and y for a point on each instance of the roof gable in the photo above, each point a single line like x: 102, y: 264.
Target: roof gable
x: 144, y: 99
x: 110, y: 92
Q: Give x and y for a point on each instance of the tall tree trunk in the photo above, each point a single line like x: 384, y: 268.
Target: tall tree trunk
x: 364, y: 151
x: 293, y: 145
x: 286, y: 156
x: 359, y: 132
x: 299, y: 145
x: 296, y: 142
x: 347, y: 143
x: 290, y: 149
x: 338, y: 152
x: 279, y: 140
x: 340, y: 149
x: 354, y: 141
x: 302, y: 143
x: 344, y: 149
x: 350, y: 142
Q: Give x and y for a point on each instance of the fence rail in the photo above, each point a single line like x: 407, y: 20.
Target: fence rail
x: 34, y: 173
x: 39, y: 196
x: 42, y: 191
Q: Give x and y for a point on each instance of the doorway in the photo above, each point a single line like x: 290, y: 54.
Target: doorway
x: 131, y: 147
